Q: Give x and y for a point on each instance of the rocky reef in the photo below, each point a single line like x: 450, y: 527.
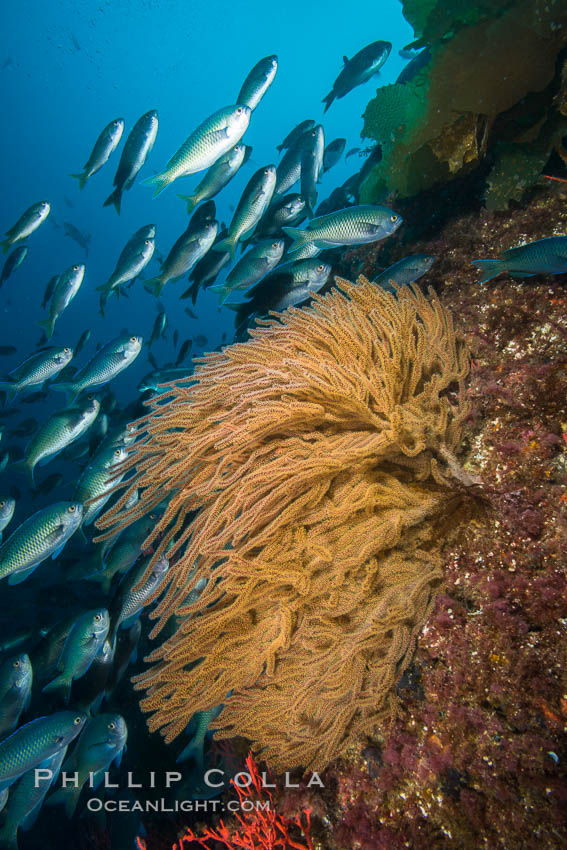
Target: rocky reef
x: 477, y: 756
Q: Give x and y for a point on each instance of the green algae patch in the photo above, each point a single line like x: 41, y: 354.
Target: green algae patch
x: 456, y: 113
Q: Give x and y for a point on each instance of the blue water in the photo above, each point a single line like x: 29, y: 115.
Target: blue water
x: 66, y: 70
x: 76, y: 66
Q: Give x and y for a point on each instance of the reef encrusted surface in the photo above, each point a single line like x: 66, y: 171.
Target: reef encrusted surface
x: 477, y: 757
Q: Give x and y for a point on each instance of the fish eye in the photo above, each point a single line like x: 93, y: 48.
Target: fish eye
x: 239, y: 110
x: 75, y: 268
x: 2, y: 504
x: 147, y: 242
x: 77, y: 721
x: 97, y: 618
x: 16, y: 663
x: 66, y: 351
x: 117, y: 452
x: 394, y: 217
x: 320, y: 268
x: 275, y: 245
x: 112, y: 725
x: 72, y: 509
x: 133, y: 339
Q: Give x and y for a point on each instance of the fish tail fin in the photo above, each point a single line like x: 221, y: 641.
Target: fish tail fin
x: 105, y: 584
x: 279, y: 148
x: 193, y: 750
x: 242, y: 312
x: 191, y: 291
x: 69, y: 796
x: 82, y: 178
x: 104, y: 295
x: 221, y: 290
x: 48, y: 326
x: 114, y: 198
x: 159, y: 182
x: 300, y: 237
x: 10, y: 390
x: 228, y: 244
x: 328, y: 100
x: 24, y: 468
x: 5, y: 245
x: 154, y: 285
x: 191, y: 202
x: 61, y: 684
x: 68, y: 388
x: 489, y: 268
x: 9, y: 835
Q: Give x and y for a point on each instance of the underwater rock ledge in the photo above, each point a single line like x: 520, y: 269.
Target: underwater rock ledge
x: 478, y: 755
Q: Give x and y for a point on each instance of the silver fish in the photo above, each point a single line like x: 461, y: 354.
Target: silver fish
x: 288, y: 210
x: 258, y: 81
x: 287, y: 285
x: 26, y: 799
x: 289, y: 171
x: 16, y: 678
x: 100, y: 744
x: 406, y: 270
x: 32, y: 744
x: 7, y: 508
x: 206, y: 271
x: 106, y: 143
x: 158, y: 330
x: 125, y: 549
x: 132, y: 261
x: 80, y: 648
x: 130, y: 601
x: 83, y: 339
x: 253, y: 204
x: 59, y: 431
x: 352, y: 226
x: 542, y: 256
x: 155, y: 380
x: 138, y: 145
x: 107, y: 363
x: 36, y: 370
x: 82, y: 239
x: 67, y: 286
x: 13, y: 262
x: 41, y: 535
x: 191, y: 246
x: 333, y: 153
x: 216, y: 177
x: 364, y: 65
x: 252, y: 267
x: 26, y: 224
x: 209, y: 141
x: 295, y: 135
x: 312, y: 152
x: 94, y: 487
x: 306, y: 252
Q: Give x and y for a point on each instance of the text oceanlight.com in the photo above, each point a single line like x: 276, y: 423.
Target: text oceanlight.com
x: 95, y: 804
